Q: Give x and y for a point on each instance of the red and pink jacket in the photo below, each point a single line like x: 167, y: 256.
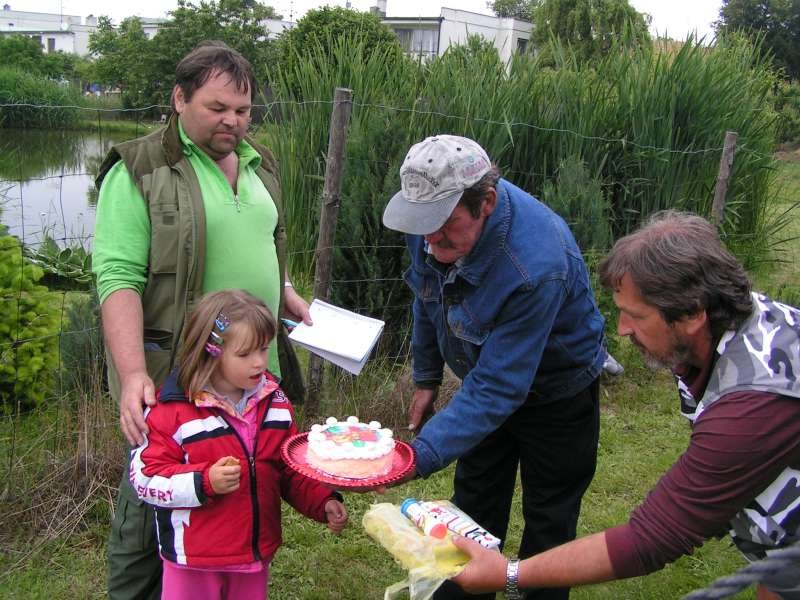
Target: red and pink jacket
x: 197, y: 527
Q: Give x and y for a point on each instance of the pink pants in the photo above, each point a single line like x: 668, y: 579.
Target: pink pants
x: 197, y: 584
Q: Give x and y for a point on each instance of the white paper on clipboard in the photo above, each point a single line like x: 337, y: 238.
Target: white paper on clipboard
x: 338, y: 335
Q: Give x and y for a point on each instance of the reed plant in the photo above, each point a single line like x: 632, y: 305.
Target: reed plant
x: 33, y: 101
x: 647, y: 124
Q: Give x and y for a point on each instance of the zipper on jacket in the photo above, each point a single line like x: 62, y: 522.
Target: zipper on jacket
x: 236, y: 201
x: 251, y: 463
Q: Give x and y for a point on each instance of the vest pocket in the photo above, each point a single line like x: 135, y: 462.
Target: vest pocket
x: 164, y: 238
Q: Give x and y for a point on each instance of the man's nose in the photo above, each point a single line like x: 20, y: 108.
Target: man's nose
x: 229, y: 119
x: 623, y: 326
x: 433, y: 238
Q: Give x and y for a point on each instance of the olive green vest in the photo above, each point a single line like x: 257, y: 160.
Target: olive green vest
x: 170, y: 187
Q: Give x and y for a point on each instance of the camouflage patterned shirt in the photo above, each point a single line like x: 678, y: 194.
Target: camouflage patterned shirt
x: 762, y: 356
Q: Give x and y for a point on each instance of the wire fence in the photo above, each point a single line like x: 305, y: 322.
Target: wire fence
x: 51, y: 353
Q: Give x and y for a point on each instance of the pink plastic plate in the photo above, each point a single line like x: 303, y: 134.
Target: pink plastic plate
x: 293, y: 453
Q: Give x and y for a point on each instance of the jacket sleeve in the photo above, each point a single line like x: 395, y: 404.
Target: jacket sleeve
x: 500, y: 381
x: 158, y: 473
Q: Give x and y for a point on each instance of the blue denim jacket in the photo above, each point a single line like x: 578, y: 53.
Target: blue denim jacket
x: 516, y: 320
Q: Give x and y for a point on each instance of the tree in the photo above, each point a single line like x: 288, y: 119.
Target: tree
x: 591, y: 27
x: 123, y: 58
x: 238, y: 23
x: 517, y: 9
x: 26, y: 54
x: 321, y: 28
x: 775, y: 22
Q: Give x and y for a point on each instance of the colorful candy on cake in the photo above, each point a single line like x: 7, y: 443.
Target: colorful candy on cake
x: 350, y: 448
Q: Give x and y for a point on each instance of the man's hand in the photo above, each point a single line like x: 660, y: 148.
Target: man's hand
x: 485, y: 571
x: 337, y: 515
x: 295, y: 307
x: 421, y: 408
x: 137, y: 390
x: 224, y: 476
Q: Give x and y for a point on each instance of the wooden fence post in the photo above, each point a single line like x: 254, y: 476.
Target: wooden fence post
x: 323, y: 257
x: 723, y: 177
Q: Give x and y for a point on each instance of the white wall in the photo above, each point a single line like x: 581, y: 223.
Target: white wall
x: 458, y: 25
x: 67, y: 31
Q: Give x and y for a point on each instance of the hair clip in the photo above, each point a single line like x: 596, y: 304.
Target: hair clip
x: 213, y: 350
x: 215, y: 340
x: 222, y: 322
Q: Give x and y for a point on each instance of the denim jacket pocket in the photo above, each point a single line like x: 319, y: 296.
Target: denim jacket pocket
x: 424, y: 285
x: 464, y: 327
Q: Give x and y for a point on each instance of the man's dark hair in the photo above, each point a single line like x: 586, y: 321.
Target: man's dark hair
x: 680, y: 266
x: 473, y: 196
x: 209, y: 58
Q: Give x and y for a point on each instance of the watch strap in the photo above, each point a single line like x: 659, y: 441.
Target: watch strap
x: 512, y: 580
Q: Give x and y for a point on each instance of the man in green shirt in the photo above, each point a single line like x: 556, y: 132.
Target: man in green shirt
x: 189, y: 209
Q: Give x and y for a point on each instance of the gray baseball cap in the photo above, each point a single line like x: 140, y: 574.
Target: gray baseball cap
x: 433, y: 176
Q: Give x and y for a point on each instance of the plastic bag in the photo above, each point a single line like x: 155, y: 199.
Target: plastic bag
x: 429, y: 560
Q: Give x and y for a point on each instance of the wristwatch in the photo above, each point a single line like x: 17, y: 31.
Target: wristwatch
x: 512, y: 580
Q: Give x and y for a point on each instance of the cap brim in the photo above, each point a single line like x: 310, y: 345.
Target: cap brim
x: 419, y: 218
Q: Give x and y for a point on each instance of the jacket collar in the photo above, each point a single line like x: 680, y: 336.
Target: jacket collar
x: 176, y: 144
x: 476, y: 264
x: 171, y: 141
x: 171, y: 392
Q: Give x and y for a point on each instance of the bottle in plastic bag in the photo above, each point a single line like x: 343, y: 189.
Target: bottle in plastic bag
x: 431, y: 516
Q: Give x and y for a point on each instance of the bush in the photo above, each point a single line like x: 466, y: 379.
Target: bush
x: 578, y: 198
x: 28, y: 326
x: 47, y: 104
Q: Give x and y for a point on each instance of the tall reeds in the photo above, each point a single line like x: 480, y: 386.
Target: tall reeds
x: 32, y: 101
x: 647, y: 125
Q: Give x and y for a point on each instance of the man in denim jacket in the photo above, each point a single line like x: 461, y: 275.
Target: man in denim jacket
x: 501, y: 294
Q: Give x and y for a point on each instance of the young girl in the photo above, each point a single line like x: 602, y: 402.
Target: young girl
x: 211, y: 463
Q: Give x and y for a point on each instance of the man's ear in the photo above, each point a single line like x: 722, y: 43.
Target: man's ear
x: 178, y: 99
x: 695, y: 323
x: 489, y: 202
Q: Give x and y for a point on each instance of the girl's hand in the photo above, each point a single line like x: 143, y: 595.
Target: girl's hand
x: 337, y: 515
x: 224, y: 475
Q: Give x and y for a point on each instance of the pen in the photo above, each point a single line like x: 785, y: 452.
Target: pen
x: 289, y: 323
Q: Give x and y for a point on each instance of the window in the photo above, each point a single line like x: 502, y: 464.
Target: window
x: 51, y: 44
x: 522, y: 45
x: 419, y: 42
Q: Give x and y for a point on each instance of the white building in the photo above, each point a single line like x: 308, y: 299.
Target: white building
x: 65, y: 33
x: 431, y: 36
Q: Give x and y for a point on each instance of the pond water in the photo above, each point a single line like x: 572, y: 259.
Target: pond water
x: 47, y: 184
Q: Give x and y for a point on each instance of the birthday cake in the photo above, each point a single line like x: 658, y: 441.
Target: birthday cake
x: 350, y: 448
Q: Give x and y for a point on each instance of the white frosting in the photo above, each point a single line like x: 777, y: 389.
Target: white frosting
x: 327, y: 448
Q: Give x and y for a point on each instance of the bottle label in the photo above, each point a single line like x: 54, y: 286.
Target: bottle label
x: 436, y: 518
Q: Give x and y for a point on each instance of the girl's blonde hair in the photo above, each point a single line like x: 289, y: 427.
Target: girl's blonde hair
x: 246, y: 313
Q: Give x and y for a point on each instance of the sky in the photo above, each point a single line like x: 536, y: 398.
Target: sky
x: 674, y: 18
